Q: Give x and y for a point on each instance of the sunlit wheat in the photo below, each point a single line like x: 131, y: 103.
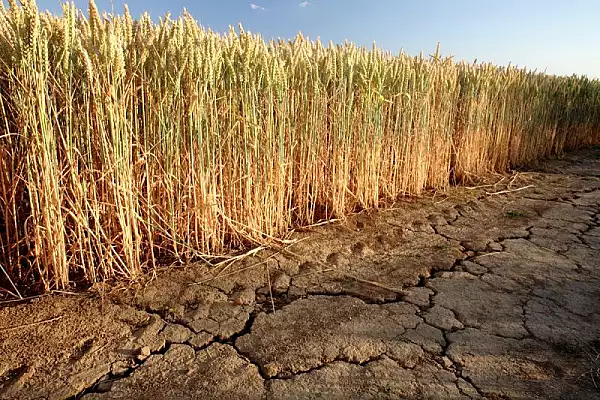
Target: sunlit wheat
x: 125, y: 143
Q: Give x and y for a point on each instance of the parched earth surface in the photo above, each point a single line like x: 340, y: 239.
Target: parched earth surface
x: 483, y: 292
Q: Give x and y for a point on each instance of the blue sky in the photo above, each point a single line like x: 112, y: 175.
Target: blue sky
x: 559, y: 36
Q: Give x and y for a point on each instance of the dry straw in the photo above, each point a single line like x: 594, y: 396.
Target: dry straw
x: 126, y: 143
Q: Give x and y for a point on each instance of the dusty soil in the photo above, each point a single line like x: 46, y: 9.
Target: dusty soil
x: 470, y: 294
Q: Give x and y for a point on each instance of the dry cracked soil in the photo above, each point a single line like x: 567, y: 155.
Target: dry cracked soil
x: 486, y: 292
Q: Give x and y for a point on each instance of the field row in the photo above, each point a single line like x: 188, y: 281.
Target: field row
x: 126, y: 143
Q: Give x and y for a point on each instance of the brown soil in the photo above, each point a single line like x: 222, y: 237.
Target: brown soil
x: 469, y: 294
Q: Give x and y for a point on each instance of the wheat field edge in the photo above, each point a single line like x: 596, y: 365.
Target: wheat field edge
x: 125, y: 142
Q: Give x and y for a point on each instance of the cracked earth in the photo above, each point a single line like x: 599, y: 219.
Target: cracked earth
x: 471, y: 294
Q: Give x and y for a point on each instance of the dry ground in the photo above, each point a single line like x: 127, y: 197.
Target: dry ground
x: 471, y: 294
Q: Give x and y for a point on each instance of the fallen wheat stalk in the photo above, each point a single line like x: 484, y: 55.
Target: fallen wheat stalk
x: 46, y: 321
x: 509, y: 190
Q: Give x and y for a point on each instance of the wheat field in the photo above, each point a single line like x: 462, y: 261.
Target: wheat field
x: 126, y: 143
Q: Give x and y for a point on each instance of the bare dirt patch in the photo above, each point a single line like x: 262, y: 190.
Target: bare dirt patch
x: 480, y: 292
